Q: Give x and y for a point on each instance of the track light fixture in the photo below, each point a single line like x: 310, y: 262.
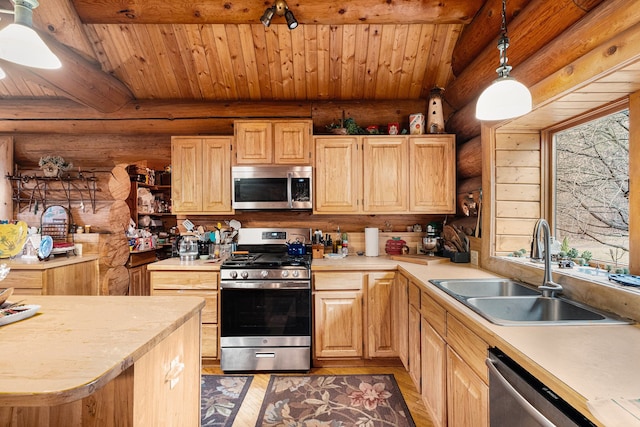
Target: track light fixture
x: 279, y: 8
x: 19, y: 43
x: 506, y: 97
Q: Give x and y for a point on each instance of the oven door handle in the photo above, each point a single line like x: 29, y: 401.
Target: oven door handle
x: 266, y: 285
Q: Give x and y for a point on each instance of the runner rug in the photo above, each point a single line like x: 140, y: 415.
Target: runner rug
x: 341, y: 400
x: 220, y: 398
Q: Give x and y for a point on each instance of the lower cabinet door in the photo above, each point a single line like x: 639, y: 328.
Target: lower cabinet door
x: 467, y: 394
x: 434, y: 374
x: 338, y: 324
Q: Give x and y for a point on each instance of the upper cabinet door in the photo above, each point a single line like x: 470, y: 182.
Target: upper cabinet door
x: 186, y: 175
x: 201, y: 176
x: 254, y: 142
x: 337, y: 175
x: 433, y: 174
x: 385, y: 178
x: 216, y: 174
x: 292, y: 142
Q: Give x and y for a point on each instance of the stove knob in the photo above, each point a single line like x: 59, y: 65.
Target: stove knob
x: 244, y: 274
x: 264, y: 274
x: 295, y: 273
x: 285, y: 273
x: 233, y: 274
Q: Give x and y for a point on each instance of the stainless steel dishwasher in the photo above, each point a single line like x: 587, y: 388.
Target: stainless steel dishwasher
x: 518, y: 399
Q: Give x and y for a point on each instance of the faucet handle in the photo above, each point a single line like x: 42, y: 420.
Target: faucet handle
x: 549, y: 289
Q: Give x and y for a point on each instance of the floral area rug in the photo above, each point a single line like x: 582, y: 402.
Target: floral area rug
x: 334, y: 401
x: 220, y: 398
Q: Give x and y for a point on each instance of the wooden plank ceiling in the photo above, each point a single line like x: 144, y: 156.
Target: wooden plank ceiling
x: 219, y: 51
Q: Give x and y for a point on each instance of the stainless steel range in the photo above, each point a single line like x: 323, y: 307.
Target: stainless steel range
x: 266, y: 302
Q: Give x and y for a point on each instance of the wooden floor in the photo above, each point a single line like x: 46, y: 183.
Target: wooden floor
x: 248, y: 413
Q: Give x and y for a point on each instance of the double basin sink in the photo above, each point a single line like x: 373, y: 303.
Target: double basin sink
x: 508, y: 302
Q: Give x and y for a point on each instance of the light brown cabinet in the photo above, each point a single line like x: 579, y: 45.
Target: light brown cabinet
x: 279, y: 142
x: 467, y: 394
x: 201, y: 175
x: 401, y: 318
x: 385, y: 166
x: 415, y: 368
x: 432, y: 178
x: 337, y: 175
x: 445, y: 360
x: 338, y: 315
x: 380, y: 319
x: 194, y: 283
x: 384, y: 174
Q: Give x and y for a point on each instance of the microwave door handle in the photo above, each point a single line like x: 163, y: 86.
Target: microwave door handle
x: 289, y: 195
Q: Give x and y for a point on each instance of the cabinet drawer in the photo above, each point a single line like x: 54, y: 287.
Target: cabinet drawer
x: 469, y: 346
x: 210, y: 310
x: 210, y: 340
x: 414, y: 295
x: 338, y: 281
x: 434, y: 313
x: 184, y: 280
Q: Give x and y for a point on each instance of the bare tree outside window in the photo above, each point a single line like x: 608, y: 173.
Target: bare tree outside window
x: 592, y: 188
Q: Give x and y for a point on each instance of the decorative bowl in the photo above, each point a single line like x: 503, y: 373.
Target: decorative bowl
x: 12, y: 238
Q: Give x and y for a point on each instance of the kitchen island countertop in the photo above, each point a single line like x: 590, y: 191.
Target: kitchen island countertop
x: 75, y: 345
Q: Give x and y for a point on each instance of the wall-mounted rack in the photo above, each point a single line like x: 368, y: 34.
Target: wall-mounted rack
x: 31, y: 190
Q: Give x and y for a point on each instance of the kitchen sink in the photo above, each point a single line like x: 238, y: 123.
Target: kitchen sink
x: 468, y: 288
x: 507, y: 302
x: 537, y: 310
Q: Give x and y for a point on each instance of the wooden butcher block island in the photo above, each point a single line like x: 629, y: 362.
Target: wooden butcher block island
x: 102, y: 361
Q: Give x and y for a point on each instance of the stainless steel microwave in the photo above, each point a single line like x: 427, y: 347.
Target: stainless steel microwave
x: 272, y: 187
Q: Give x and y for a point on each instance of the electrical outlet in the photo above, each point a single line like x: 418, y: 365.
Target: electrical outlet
x: 474, y: 257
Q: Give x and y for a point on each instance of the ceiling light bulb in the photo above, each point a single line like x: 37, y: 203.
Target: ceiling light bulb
x: 291, y: 20
x: 267, y: 16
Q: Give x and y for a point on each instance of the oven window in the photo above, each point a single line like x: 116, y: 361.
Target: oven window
x: 265, y: 312
x: 261, y: 190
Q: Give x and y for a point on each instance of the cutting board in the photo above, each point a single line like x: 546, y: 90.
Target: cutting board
x: 420, y: 259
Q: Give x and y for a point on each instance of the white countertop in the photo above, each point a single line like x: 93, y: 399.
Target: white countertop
x: 580, y: 363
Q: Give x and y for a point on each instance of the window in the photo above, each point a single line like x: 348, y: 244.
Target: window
x: 592, y: 188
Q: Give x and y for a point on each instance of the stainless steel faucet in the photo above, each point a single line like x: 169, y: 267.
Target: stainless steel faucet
x: 548, y: 287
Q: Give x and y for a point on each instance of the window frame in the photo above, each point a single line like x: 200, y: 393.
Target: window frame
x: 548, y: 146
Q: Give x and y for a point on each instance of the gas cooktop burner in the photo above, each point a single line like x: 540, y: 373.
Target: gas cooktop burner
x: 266, y: 260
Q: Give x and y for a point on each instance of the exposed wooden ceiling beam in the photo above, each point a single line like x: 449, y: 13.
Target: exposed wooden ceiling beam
x: 328, y: 12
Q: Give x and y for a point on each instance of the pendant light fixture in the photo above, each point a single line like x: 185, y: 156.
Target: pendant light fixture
x: 505, y: 98
x: 20, y: 43
x: 279, y: 8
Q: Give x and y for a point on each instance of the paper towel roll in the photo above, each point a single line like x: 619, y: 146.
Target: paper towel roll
x: 371, y: 241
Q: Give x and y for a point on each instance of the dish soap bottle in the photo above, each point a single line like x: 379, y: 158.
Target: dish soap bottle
x: 345, y: 244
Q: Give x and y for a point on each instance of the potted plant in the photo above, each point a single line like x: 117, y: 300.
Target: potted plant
x: 53, y: 166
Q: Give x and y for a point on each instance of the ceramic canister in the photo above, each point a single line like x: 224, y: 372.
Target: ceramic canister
x: 416, y: 124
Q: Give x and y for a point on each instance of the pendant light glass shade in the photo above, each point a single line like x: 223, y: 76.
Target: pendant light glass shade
x: 20, y: 43
x: 505, y: 98
x: 2, y: 74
